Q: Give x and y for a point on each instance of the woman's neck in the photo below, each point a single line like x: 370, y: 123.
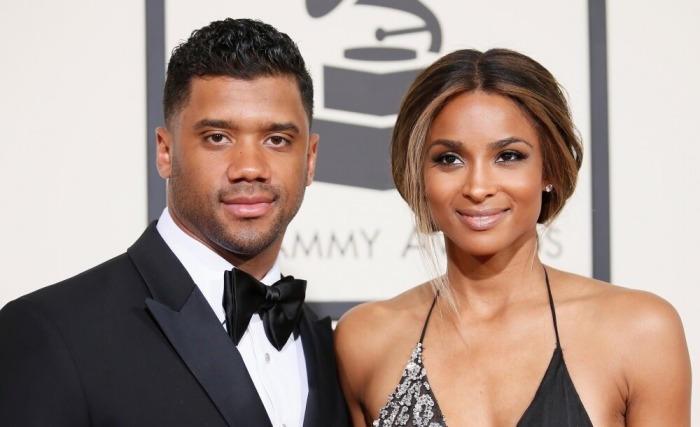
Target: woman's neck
x: 495, y: 280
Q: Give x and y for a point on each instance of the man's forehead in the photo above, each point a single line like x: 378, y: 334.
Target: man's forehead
x: 281, y: 88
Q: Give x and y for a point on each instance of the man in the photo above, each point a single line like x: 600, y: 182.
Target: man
x: 144, y: 339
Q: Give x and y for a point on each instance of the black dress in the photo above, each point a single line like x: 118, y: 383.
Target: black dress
x: 556, y: 402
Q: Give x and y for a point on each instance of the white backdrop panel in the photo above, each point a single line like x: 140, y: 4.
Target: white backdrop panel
x: 72, y: 137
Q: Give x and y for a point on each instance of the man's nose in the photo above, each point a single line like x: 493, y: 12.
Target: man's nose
x: 249, y: 162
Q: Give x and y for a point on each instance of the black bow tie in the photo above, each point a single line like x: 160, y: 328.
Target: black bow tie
x: 279, y: 305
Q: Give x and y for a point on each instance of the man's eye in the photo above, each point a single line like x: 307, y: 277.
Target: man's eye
x: 216, y: 138
x: 278, y: 140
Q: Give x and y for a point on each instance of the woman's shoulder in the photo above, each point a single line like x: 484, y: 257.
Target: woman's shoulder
x: 618, y: 301
x: 386, y: 318
x: 375, y: 335
x: 632, y: 336
x: 374, y: 330
x: 633, y: 315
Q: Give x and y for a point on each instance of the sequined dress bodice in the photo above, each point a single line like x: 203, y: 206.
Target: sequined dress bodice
x: 556, y: 402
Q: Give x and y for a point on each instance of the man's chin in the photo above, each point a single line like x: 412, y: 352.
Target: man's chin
x: 248, y: 244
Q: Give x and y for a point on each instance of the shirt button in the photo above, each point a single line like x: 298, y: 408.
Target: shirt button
x: 267, y: 360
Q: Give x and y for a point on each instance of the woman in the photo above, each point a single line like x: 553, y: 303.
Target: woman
x: 483, y: 150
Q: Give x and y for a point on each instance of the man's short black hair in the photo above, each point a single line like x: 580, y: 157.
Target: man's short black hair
x: 239, y: 48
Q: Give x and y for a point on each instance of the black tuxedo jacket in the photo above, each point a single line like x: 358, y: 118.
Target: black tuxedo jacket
x: 133, y: 342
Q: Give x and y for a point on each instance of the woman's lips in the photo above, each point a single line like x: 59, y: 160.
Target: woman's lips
x: 480, y: 220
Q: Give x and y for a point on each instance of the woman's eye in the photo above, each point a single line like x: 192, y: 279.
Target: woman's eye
x: 447, y: 159
x: 509, y: 156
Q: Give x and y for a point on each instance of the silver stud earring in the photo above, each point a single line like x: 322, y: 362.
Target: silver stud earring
x: 548, y: 188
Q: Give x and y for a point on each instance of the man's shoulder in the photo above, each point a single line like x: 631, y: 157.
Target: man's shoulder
x: 89, y: 290
x: 94, y: 281
x: 103, y: 272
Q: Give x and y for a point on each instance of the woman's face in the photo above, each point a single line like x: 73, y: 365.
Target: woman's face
x: 483, y: 174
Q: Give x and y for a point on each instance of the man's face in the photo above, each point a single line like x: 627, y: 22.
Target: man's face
x: 238, y: 157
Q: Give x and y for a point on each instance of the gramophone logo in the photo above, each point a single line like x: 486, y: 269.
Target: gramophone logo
x: 355, y: 154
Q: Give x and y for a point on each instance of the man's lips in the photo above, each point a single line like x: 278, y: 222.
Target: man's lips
x: 481, y: 219
x: 249, y: 206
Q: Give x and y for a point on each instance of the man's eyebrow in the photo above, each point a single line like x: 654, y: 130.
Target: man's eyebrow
x: 281, y: 127
x: 214, y: 123
x: 230, y: 125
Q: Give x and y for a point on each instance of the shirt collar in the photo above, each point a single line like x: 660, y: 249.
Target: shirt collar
x: 205, y: 266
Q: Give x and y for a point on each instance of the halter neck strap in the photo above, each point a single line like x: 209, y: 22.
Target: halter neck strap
x: 427, y: 319
x: 551, y: 306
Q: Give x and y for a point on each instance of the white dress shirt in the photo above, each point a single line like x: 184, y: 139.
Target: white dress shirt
x: 279, y: 376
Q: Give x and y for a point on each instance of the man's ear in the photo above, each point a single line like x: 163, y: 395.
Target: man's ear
x: 164, y: 146
x: 311, y: 155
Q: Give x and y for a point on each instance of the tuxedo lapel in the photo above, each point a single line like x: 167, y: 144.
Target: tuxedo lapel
x: 212, y: 358
x: 324, y: 403
x: 195, y: 333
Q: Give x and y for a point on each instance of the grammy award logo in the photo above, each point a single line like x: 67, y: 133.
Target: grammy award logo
x: 355, y: 154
